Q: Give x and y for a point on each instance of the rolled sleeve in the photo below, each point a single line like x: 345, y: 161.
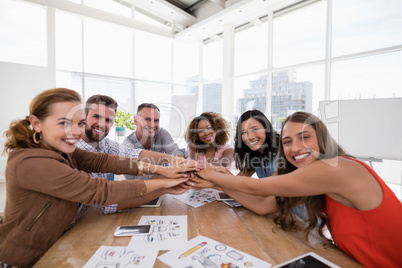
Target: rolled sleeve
x: 107, y: 209
x: 55, y: 178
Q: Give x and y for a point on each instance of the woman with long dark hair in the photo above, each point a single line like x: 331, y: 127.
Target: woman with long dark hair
x: 362, y: 213
x: 256, y: 145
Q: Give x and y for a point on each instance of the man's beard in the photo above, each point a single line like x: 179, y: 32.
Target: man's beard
x: 90, y: 135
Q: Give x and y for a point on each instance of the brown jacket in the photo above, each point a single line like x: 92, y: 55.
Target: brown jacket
x: 44, y: 190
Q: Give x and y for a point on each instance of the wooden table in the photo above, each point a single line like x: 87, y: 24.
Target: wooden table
x: 235, y: 227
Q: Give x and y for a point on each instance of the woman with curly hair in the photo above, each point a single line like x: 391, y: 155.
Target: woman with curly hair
x: 207, y: 136
x: 362, y: 213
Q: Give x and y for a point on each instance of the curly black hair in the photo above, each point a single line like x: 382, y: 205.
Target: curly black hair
x: 218, y: 124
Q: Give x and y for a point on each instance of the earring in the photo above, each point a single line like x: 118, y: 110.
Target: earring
x: 34, y: 137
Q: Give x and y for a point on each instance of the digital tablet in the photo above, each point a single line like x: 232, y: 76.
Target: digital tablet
x: 130, y: 230
x: 221, y: 196
x: 310, y: 260
x: 232, y: 203
x: 153, y: 204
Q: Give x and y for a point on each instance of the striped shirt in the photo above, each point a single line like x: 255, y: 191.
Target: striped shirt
x: 111, y: 147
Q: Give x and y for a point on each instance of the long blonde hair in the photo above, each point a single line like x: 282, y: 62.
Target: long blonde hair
x: 329, y: 148
x: 20, y: 134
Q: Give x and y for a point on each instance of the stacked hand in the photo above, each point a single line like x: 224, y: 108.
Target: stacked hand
x: 183, y: 161
x: 202, y: 179
x: 185, y: 169
x: 198, y: 175
x: 209, y: 170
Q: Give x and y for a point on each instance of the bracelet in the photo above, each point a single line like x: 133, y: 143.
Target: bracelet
x: 140, y: 169
x: 149, y: 174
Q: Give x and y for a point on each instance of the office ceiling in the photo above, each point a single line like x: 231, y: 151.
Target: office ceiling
x: 192, y: 20
x: 179, y: 14
x: 205, y: 19
x: 190, y: 6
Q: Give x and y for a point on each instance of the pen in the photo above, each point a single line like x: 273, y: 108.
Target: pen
x: 188, y: 252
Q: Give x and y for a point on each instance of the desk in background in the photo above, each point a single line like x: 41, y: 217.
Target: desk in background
x: 238, y: 228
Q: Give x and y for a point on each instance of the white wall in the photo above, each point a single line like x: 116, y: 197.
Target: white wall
x: 18, y: 85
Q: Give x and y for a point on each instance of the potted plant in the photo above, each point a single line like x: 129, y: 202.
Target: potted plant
x: 122, y: 121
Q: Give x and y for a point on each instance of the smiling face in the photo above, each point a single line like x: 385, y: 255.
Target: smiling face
x: 99, y: 121
x: 205, y: 132
x: 300, y: 144
x: 63, y: 128
x: 147, y: 122
x: 253, y: 134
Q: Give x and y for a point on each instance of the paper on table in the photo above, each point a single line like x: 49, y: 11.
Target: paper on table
x: 168, y: 232
x: 197, y: 197
x: 202, y: 252
x: 108, y: 257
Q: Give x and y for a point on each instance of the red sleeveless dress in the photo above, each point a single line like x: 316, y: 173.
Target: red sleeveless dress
x: 372, y: 237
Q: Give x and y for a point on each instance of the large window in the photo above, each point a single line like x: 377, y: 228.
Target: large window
x: 249, y: 94
x: 119, y: 89
x: 296, y: 89
x: 107, y: 48
x: 250, y: 65
x: 367, y: 77
x: 362, y: 60
x: 186, y: 62
x: 23, y: 33
x: 299, y: 36
x: 361, y: 25
x: 212, y: 97
x: 251, y: 53
x: 68, y: 42
x: 212, y: 60
x: 152, y: 57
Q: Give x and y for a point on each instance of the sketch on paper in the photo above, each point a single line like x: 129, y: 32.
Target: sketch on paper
x: 117, y: 257
x: 202, y: 252
x: 168, y: 232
